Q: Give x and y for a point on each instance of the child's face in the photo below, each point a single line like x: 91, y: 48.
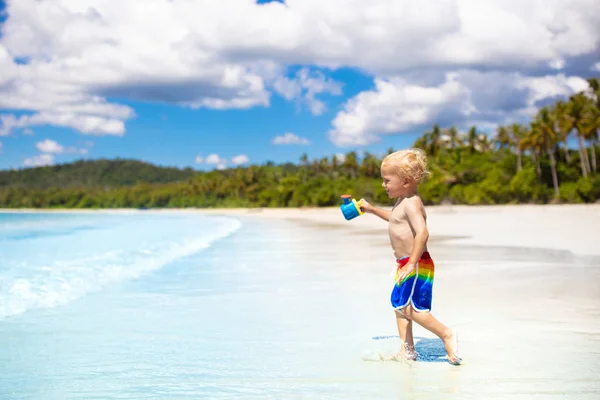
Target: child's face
x: 394, y: 184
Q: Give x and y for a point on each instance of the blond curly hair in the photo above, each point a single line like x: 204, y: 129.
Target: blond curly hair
x: 411, y: 163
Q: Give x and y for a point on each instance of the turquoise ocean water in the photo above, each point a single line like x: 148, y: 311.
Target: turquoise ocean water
x: 171, y: 306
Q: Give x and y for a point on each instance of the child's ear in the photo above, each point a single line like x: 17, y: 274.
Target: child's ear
x: 406, y: 181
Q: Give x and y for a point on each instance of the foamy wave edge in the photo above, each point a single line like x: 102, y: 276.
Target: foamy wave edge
x: 25, y: 295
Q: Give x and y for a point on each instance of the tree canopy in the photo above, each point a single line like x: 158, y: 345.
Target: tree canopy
x: 519, y: 163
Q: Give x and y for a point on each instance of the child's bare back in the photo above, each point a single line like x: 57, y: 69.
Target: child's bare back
x: 401, y: 231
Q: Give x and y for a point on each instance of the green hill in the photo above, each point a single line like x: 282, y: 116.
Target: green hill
x: 88, y: 174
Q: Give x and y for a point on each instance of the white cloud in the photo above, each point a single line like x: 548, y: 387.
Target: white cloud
x: 395, y: 106
x: 558, y: 63
x: 0, y: 147
x: 49, y: 146
x: 106, y: 51
x: 550, y: 86
x: 455, y: 33
x: 305, y: 86
x: 290, y: 138
x: 27, y: 132
x: 340, y: 157
x: 39, y: 160
x: 214, y: 159
x: 88, y: 124
x: 219, y: 162
x: 240, y: 159
x: 596, y: 67
x: 87, y: 145
x: 233, y: 54
x: 463, y: 98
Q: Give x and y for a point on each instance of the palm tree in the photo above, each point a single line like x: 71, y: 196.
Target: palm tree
x: 533, y: 141
x: 420, y: 143
x: 502, y: 138
x: 564, y: 124
x: 483, y: 143
x: 304, y: 159
x: 316, y: 166
x: 350, y: 164
x: 590, y: 124
x: 453, y: 137
x: 324, y: 165
x: 472, y: 139
x: 518, y: 132
x: 579, y: 102
x: 369, y: 166
x: 335, y: 162
x: 594, y: 86
x: 595, y: 92
x: 545, y: 123
x: 434, y: 140
x: 303, y: 171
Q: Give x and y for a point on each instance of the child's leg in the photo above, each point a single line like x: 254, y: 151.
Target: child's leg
x: 407, y: 349
x: 428, y: 321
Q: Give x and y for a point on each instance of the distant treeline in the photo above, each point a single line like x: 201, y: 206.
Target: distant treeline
x: 89, y: 174
x: 519, y: 164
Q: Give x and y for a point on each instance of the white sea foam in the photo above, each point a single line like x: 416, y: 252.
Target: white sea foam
x: 28, y: 282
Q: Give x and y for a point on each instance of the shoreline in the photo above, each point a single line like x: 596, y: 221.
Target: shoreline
x: 310, y: 285
x: 564, y: 227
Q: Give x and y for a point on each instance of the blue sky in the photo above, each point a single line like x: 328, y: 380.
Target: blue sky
x: 171, y: 135
x: 215, y: 86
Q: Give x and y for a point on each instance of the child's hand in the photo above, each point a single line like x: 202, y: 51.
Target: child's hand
x: 365, y: 206
x: 405, y: 271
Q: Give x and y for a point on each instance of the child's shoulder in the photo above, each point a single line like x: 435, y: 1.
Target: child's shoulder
x: 408, y: 205
x: 414, y: 206
x: 414, y: 201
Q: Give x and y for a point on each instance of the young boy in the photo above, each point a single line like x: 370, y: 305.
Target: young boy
x: 402, y: 172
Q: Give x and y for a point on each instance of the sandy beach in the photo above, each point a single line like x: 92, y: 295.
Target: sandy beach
x: 520, y: 283
x: 572, y: 228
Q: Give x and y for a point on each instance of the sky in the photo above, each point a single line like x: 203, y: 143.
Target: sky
x: 219, y: 83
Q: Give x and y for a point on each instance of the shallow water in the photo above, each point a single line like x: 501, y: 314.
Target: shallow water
x: 281, y: 310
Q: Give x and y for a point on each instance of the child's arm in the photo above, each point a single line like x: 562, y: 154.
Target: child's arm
x: 414, y: 213
x: 368, y: 208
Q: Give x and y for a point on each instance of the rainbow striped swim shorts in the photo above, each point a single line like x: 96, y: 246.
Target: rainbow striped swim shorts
x: 416, y: 288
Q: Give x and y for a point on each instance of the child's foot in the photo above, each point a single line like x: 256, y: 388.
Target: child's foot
x: 408, y: 353
x: 451, y: 345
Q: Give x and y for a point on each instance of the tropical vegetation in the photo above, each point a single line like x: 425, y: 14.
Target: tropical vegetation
x: 552, y: 159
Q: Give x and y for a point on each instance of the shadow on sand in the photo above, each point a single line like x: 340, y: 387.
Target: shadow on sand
x: 430, y: 350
